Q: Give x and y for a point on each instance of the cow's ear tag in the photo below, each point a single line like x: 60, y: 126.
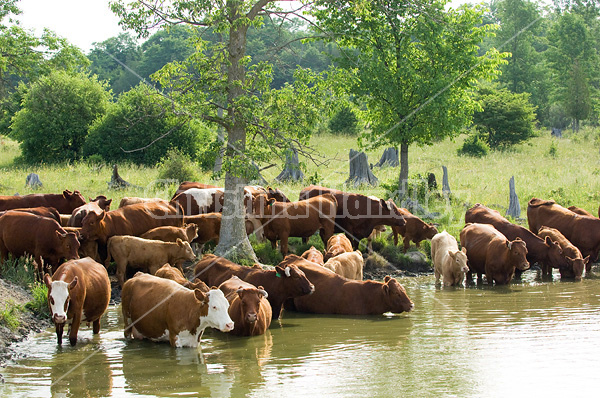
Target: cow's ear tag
x: 278, y: 275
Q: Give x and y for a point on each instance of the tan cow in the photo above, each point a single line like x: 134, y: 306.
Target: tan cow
x: 173, y: 273
x: 336, y: 245
x: 132, y: 200
x: 349, y: 265
x: 134, y: 252
x: 448, y: 261
x: 313, y: 254
x: 187, y: 233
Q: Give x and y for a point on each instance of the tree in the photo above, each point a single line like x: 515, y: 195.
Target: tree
x: 220, y: 75
x: 415, y: 67
x: 578, y: 96
x: 57, y: 112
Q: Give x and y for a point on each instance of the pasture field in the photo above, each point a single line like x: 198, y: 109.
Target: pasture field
x: 570, y: 175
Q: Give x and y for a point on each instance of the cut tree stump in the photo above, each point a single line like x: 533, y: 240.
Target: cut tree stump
x: 445, y: 185
x: 291, y: 171
x: 514, y: 208
x: 116, y: 182
x: 360, y: 172
x: 33, y: 181
x: 389, y: 158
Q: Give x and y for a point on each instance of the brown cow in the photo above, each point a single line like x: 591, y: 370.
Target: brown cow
x: 575, y: 261
x: 87, y: 248
x: 543, y: 251
x: 349, y: 265
x: 209, y: 227
x: 25, y: 233
x: 184, y: 186
x: 337, y: 245
x: 78, y: 291
x: 357, y: 215
x: 134, y: 200
x: 162, y: 310
x: 282, y: 220
x: 580, y: 211
x: 281, y: 283
x: 335, y: 294
x: 174, y: 274
x: 415, y: 230
x: 248, y: 307
x: 187, y: 233
x: 582, y: 231
x: 64, y: 203
x: 489, y: 252
x: 314, y: 255
x: 95, y: 205
x: 49, y: 212
x: 145, y: 254
x: 131, y: 220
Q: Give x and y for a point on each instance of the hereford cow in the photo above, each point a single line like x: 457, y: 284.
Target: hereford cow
x: 271, y: 193
x: 131, y: 220
x: 539, y: 250
x: 78, y: 291
x: 200, y: 201
x: 335, y: 294
x: 162, y: 310
x: 448, y: 262
x: 582, y: 231
x: 415, y: 230
x: 357, y: 215
x: 347, y: 264
x: 174, y: 274
x: 580, y: 211
x: 248, y: 307
x: 575, y: 261
x: 187, y: 233
x: 184, y: 186
x: 64, y: 203
x: 95, y: 205
x: 134, y: 200
x: 25, y: 233
x: 491, y: 253
x: 302, y: 219
x: 281, y: 283
x: 313, y: 254
x: 49, y: 212
x: 337, y: 245
x: 145, y: 254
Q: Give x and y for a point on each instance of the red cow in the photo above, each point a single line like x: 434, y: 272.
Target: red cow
x: 415, y: 230
x: 314, y: 255
x: 248, y: 307
x: 95, y: 205
x: 49, y: 212
x: 490, y: 253
x: 281, y: 283
x: 174, y: 274
x: 79, y: 291
x: 582, y: 231
x: 336, y: 245
x: 580, y: 211
x: 64, y: 203
x: 335, y: 294
x: 24, y: 233
x: 575, y: 261
x: 133, y: 200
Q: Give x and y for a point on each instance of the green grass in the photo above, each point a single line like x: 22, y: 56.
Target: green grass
x: 21, y: 271
x: 9, y: 316
x: 39, y: 304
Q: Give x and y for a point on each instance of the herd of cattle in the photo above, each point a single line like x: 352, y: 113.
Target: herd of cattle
x: 157, y: 236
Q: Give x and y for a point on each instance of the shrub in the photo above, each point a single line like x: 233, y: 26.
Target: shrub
x: 20, y: 270
x: 553, y: 150
x: 39, y: 304
x: 474, y: 146
x: 9, y: 316
x: 344, y: 122
x: 178, y: 166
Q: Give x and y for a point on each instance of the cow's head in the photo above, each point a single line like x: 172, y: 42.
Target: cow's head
x: 185, y: 250
x: 313, y: 254
x: 277, y: 195
x: 92, y: 225
x: 102, y: 202
x: 459, y: 260
x: 191, y: 231
x: 395, y: 296
x: 59, y: 297
x: 261, y: 205
x: 430, y: 230
x: 213, y: 309
x: 68, y: 246
x: 250, y: 302
x: 574, y: 268
x: 75, y: 199
x: 554, y: 254
x: 295, y: 281
x: 518, y: 253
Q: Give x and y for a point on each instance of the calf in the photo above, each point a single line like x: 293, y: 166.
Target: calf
x: 78, y: 291
x: 580, y: 211
x: 281, y: 283
x: 144, y: 253
x: 25, y: 233
x: 335, y: 294
x: 64, y: 203
x: 415, y: 230
x: 282, y: 220
x: 248, y: 307
x: 162, y: 310
x: 347, y: 264
x: 187, y: 233
x: 448, y: 261
x: 174, y: 274
x: 489, y: 252
x: 96, y: 205
x: 314, y: 255
x: 336, y: 245
x: 575, y: 261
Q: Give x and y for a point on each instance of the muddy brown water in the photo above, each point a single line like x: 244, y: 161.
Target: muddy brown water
x: 529, y: 338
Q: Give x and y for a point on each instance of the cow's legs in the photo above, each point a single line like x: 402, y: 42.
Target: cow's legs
x: 96, y: 326
x: 74, y: 328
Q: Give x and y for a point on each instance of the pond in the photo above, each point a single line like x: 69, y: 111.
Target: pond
x: 528, y: 338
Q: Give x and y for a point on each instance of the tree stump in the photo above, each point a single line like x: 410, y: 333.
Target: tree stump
x: 291, y: 171
x: 360, y: 172
x: 431, y: 182
x: 33, y: 181
x: 556, y: 132
x: 514, y: 208
x: 389, y: 158
x: 445, y: 185
x: 116, y: 182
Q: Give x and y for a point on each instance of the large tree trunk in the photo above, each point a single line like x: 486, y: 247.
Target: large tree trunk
x: 291, y: 171
x: 403, y: 179
x: 221, y: 140
x: 514, y: 208
x: 389, y: 158
x: 360, y: 172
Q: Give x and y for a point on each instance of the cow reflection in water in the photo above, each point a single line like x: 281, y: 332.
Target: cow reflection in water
x: 70, y: 378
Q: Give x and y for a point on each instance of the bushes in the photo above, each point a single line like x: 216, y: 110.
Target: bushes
x: 178, y: 166
x: 344, y: 122
x: 474, y: 146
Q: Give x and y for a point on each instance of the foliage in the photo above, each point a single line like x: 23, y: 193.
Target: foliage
x: 267, y: 254
x: 553, y: 150
x: 474, y: 146
x: 177, y: 166
x: 344, y: 121
x: 506, y: 119
x: 9, y: 316
x: 578, y: 102
x: 57, y: 112
x: 20, y: 270
x: 141, y: 127
x: 557, y: 116
x: 39, y: 304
